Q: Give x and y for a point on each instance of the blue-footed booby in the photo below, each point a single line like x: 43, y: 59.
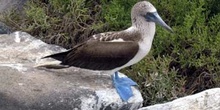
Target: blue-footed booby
x: 112, y: 51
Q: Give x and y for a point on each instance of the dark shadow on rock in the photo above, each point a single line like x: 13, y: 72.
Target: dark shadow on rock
x: 4, y: 29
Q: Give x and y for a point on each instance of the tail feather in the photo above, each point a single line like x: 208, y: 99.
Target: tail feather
x: 55, y: 64
x: 52, y: 65
x: 58, y: 56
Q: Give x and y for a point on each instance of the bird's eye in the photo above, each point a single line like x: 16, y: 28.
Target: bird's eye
x: 143, y: 5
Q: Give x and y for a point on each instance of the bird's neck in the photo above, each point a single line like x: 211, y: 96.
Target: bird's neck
x: 147, y: 29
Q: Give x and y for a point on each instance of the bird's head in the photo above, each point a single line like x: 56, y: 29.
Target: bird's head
x: 148, y: 12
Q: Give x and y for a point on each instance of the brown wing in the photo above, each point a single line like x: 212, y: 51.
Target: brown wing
x: 97, y: 55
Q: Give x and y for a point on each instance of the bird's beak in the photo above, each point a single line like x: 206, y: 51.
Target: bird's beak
x: 155, y: 17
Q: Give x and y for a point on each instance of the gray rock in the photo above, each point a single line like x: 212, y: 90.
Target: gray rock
x: 206, y: 100
x: 26, y: 87
x: 8, y: 5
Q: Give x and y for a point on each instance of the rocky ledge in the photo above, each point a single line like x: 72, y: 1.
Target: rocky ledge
x: 26, y: 87
x: 206, y: 100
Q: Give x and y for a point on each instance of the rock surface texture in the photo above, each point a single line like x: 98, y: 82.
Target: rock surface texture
x: 9, y: 6
x: 26, y: 87
x: 206, y: 100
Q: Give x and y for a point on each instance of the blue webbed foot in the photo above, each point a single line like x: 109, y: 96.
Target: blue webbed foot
x: 123, y: 86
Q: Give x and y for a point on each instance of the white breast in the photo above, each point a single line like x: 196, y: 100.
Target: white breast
x: 144, y: 44
x: 144, y: 48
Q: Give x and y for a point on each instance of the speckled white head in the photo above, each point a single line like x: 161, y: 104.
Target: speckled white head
x: 144, y: 12
x: 142, y: 8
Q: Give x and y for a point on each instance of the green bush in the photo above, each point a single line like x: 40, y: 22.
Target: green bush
x: 193, y: 48
x: 185, y: 62
x: 179, y: 64
x: 59, y: 22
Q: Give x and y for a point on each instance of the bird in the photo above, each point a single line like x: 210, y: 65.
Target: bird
x: 115, y: 50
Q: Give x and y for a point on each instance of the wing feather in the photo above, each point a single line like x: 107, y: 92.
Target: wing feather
x: 100, y: 52
x: 101, y: 55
